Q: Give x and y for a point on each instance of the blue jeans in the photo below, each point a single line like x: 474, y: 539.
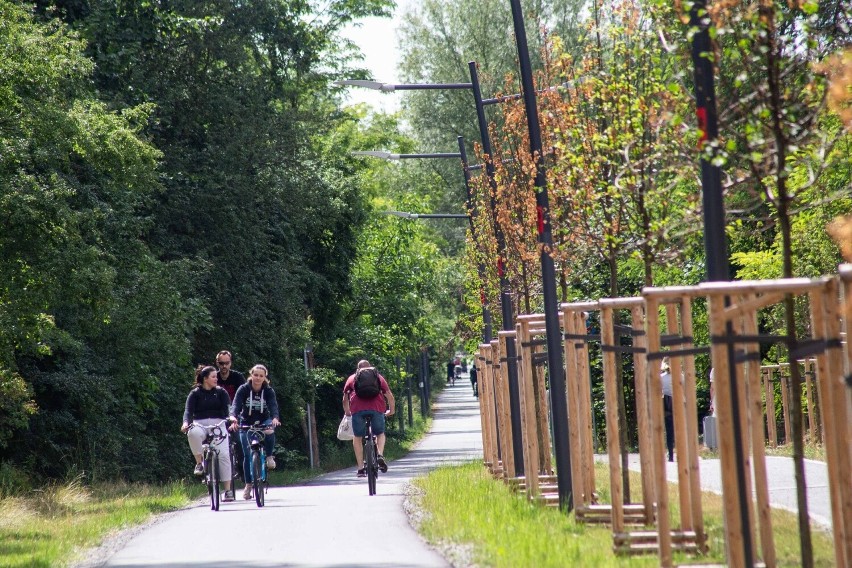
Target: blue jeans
x: 245, y: 442
x: 359, y: 426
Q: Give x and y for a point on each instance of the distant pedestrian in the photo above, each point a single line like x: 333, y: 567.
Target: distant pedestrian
x: 473, y: 380
x: 668, y: 406
x: 712, y: 395
x: 451, y: 366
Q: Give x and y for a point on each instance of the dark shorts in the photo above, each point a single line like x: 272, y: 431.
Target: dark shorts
x: 359, y: 426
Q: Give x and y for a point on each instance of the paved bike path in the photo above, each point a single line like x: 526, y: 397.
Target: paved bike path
x: 330, y: 521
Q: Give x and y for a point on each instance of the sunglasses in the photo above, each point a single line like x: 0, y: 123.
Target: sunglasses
x: 223, y: 362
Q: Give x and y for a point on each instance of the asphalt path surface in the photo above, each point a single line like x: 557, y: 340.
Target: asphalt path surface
x: 781, y: 480
x: 330, y: 521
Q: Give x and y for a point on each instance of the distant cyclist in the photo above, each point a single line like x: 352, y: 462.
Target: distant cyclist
x: 457, y: 371
x: 255, y: 402
x: 367, y: 392
x: 207, y: 406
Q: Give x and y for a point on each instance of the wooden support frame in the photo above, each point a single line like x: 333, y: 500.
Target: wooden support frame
x: 534, y: 409
x: 501, y: 394
x: 754, y: 418
x: 808, y: 374
x: 769, y: 397
x: 676, y: 304
x: 625, y: 541
x: 835, y: 392
x: 488, y: 410
x: 733, y: 308
x: 580, y: 415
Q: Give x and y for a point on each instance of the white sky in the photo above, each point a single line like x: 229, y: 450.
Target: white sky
x: 377, y: 39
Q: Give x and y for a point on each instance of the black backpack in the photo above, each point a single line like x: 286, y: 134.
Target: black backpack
x: 367, y: 384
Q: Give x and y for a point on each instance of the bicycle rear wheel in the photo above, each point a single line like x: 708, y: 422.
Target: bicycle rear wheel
x: 256, y: 479
x: 372, y: 465
x: 214, y: 481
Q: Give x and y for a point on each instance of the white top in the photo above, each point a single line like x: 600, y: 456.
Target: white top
x: 666, y: 380
x: 712, y: 394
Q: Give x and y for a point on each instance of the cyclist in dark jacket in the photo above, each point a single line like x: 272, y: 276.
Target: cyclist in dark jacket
x: 255, y: 402
x: 206, y: 406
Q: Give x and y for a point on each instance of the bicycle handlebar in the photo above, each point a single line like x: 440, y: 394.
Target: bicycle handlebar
x: 214, y: 431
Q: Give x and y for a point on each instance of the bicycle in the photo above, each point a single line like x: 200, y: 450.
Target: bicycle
x: 257, y: 434
x: 210, y: 459
x: 236, y: 459
x: 371, y: 455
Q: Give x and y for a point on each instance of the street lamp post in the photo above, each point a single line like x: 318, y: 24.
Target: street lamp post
x: 486, y: 314
x: 407, y: 215
x: 556, y: 373
x: 505, y: 296
x: 716, y: 247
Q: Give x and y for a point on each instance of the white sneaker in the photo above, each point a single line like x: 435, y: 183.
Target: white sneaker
x: 247, y: 493
x: 270, y: 462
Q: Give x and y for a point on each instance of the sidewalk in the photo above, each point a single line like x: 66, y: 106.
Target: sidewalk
x: 782, y: 484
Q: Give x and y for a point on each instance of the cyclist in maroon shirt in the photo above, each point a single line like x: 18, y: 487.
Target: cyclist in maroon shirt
x: 357, y: 407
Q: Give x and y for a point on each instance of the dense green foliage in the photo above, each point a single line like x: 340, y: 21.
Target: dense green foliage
x: 176, y: 179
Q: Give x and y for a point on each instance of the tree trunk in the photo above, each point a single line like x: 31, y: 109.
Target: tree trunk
x: 619, y: 385
x: 796, y: 398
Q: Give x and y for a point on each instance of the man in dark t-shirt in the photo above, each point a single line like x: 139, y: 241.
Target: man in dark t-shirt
x: 231, y: 380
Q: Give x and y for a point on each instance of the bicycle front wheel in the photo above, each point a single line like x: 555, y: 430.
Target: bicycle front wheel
x: 214, y: 482
x: 257, y: 480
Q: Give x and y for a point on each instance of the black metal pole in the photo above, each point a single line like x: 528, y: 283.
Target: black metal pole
x: 505, y: 291
x: 399, y: 382
x: 428, y: 155
x: 715, y: 240
x: 427, y: 381
x: 556, y: 373
x: 424, y: 393
x: 408, y: 390
x: 471, y: 207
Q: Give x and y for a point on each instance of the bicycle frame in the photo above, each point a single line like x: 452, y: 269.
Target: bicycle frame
x: 214, y: 435
x: 257, y: 434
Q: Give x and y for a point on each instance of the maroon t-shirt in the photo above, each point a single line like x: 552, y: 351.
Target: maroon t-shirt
x: 356, y: 404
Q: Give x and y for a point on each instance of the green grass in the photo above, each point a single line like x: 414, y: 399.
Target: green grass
x: 467, y: 512
x: 49, y: 526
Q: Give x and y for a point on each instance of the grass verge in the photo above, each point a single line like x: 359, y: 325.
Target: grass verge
x: 478, y: 521
x: 50, y: 526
